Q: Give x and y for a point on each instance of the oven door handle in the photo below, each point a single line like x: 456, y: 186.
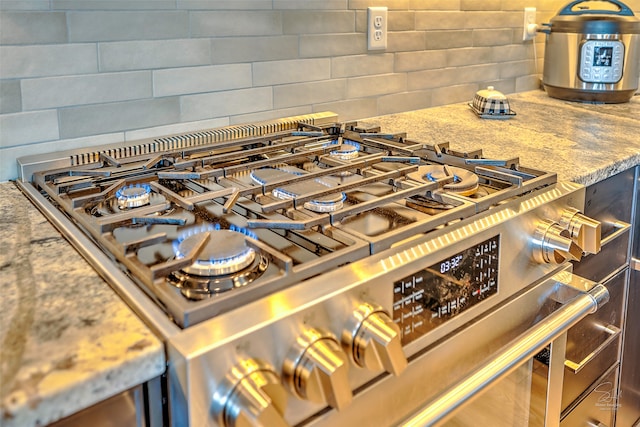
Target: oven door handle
x: 511, y: 356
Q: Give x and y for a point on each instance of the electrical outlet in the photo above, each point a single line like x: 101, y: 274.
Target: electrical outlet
x: 529, y: 27
x: 377, y: 28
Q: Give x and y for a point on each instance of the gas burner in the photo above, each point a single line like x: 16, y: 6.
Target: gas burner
x: 226, y: 251
x: 125, y: 199
x: 133, y: 196
x: 345, y: 151
x: 329, y: 203
x: 225, y: 262
x: 465, y: 183
x: 427, y: 205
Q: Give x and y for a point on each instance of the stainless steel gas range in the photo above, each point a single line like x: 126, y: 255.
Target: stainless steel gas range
x: 304, y: 271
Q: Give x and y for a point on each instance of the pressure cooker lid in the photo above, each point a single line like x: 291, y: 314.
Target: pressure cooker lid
x: 595, y: 17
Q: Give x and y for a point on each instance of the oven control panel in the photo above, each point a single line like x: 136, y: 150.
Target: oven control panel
x: 432, y: 296
x: 601, y: 61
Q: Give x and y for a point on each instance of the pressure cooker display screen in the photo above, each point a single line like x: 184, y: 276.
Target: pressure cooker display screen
x: 602, y: 56
x: 430, y: 297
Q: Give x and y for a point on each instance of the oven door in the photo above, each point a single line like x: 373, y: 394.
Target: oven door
x: 505, y: 369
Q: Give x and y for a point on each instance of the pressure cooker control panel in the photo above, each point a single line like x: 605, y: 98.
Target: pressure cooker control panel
x: 601, y: 61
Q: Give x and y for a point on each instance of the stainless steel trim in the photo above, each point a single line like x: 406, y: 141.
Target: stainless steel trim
x: 576, y: 367
x: 28, y: 165
x: 635, y: 264
x: 126, y: 289
x: 510, y: 357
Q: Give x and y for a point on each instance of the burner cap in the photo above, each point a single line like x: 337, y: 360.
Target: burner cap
x: 133, y: 196
x: 226, y: 252
x: 329, y: 203
x: 347, y: 151
x: 464, y: 182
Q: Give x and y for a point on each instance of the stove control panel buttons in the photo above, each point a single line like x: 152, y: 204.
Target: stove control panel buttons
x: 582, y: 229
x: 374, y: 340
x: 317, y: 369
x: 251, y: 394
x: 553, y: 244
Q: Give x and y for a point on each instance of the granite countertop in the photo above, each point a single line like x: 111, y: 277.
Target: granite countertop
x: 67, y: 341
x: 581, y: 142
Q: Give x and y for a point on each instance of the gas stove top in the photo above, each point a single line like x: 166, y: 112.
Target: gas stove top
x: 206, y: 222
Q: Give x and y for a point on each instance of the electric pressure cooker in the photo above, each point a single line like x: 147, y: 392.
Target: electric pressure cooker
x: 592, y: 55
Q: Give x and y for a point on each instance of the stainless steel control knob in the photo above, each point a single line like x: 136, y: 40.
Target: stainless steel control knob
x: 317, y: 369
x: 582, y: 229
x: 552, y: 244
x: 373, y: 340
x: 251, y: 395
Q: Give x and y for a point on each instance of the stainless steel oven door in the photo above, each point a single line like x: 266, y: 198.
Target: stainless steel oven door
x: 486, y: 373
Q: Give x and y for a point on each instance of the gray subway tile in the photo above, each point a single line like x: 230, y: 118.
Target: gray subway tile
x: 480, y: 4
x: 435, y: 4
x: 401, y: 21
x: 101, y: 26
x: 47, y: 60
x: 51, y: 92
x: 180, y: 81
x: 493, y: 37
x: 150, y: 54
x: 306, y: 22
x: 431, y: 79
x: 404, y: 41
x: 319, y: 45
x: 469, y: 56
x: 32, y: 27
x: 311, y: 4
x: 10, y: 96
x: 511, y: 52
x: 224, y: 4
x: 361, y: 65
x: 404, y: 101
x: 27, y: 128
x: 113, y: 4
x: 24, y: 5
x: 227, y: 103
x: 309, y: 93
x: 236, y: 23
x: 392, y: 5
x: 422, y: 60
x: 358, y: 87
x: 262, y: 116
x: 448, y: 39
x: 350, y: 109
x: 291, y: 71
x: 118, y: 116
x: 225, y: 50
x: 517, y: 68
x: 453, y: 94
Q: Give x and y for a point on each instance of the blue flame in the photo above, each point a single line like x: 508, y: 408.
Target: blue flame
x: 146, y: 189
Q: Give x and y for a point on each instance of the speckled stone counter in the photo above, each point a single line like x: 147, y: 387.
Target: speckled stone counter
x: 585, y: 143
x: 67, y: 341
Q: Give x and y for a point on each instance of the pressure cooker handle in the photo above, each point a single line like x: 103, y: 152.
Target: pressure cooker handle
x: 624, y: 9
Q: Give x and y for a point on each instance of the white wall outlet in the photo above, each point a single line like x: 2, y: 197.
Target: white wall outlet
x: 377, y: 28
x: 529, y: 28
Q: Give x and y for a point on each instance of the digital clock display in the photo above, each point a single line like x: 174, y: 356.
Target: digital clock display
x: 430, y: 297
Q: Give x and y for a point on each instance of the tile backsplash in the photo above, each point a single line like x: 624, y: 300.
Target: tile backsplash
x: 77, y: 73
